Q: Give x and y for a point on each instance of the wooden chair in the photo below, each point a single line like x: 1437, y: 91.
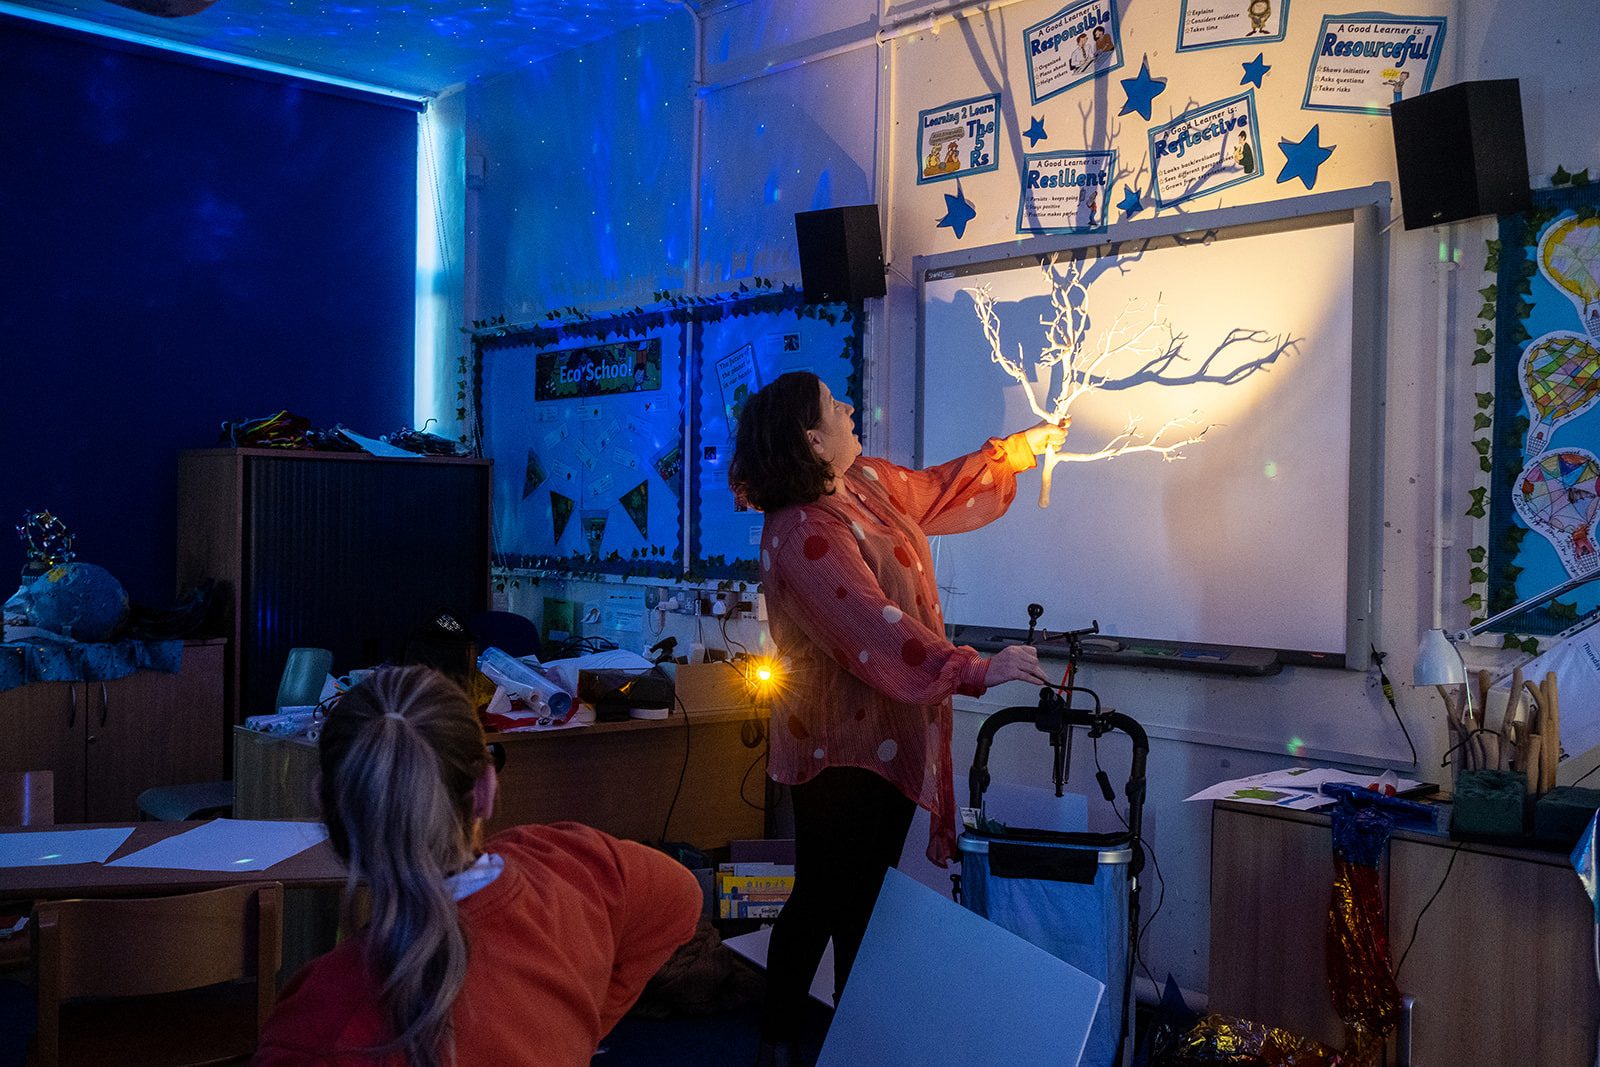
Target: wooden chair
x: 150, y: 953
x: 27, y: 798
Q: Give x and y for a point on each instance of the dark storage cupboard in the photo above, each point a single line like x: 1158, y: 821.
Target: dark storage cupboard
x: 343, y: 551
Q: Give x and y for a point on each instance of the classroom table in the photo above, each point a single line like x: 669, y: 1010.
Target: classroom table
x: 315, y: 868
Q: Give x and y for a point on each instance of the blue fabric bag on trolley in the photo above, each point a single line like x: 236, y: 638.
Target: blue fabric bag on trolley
x: 1075, y: 895
x: 1070, y: 900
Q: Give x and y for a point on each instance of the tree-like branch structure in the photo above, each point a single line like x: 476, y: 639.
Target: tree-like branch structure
x: 1076, y: 362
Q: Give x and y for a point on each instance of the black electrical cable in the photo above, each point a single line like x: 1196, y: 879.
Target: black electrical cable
x: 763, y: 754
x: 1155, y: 864
x: 682, y: 771
x: 1454, y: 853
x: 1388, y: 694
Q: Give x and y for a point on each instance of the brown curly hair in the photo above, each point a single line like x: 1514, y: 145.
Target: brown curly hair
x: 773, y: 463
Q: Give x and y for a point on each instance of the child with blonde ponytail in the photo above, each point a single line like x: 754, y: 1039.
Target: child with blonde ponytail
x: 525, y: 948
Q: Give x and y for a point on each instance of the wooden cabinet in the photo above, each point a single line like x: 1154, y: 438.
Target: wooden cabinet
x: 1501, y: 971
x: 620, y: 777
x: 333, y: 550
x: 106, y: 742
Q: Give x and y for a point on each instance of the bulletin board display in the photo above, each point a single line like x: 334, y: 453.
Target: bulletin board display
x: 1263, y: 534
x: 587, y: 435
x: 1542, y: 445
x: 734, y: 355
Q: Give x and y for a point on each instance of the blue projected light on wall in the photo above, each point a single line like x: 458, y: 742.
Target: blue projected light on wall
x: 417, y: 47
x: 735, y: 356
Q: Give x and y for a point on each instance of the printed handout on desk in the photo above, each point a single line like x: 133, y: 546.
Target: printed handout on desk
x: 1299, y: 788
x: 54, y: 848
x: 228, y: 845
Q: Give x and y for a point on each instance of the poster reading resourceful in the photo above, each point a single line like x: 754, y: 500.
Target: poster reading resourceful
x: 1208, y: 148
x: 1365, y: 63
x: 1079, y: 42
x: 1214, y: 23
x: 957, y: 139
x: 1065, y: 192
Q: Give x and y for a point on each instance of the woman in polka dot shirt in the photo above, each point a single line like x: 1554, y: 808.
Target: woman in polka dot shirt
x: 861, y: 724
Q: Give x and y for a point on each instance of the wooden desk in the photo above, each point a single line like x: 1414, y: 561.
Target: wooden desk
x: 1502, y: 969
x: 315, y: 868
x: 619, y: 777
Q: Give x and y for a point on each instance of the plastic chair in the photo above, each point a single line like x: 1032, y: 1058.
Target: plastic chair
x: 174, y: 966
x: 27, y: 798
x: 513, y: 634
x: 305, y: 670
x: 179, y: 803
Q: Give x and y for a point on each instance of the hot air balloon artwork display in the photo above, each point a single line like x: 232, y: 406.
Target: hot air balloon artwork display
x: 1560, y: 378
x: 1569, y: 258
x: 1557, y: 495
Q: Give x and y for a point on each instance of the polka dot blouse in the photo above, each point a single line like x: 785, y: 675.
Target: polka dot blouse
x: 854, y: 611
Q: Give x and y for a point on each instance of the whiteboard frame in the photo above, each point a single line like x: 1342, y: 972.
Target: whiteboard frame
x: 1368, y: 210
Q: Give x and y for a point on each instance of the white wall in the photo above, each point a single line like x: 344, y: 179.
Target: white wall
x: 784, y: 134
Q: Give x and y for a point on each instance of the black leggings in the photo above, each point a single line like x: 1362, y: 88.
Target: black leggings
x: 849, y: 827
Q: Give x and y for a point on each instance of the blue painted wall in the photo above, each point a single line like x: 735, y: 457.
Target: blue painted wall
x: 585, y: 195
x: 185, y: 245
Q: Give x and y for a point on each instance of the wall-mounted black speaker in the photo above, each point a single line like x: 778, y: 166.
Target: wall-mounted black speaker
x: 841, y: 253
x: 1461, y: 153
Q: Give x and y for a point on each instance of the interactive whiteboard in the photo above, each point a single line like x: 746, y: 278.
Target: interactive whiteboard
x: 1262, y: 534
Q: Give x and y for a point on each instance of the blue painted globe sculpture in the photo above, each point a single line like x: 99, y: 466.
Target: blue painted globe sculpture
x: 79, y: 600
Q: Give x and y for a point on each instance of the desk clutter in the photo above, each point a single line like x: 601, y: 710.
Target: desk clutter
x: 1505, y: 740
x: 525, y: 693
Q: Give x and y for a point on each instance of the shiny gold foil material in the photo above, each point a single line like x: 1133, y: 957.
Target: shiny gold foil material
x: 1360, y: 973
x: 1225, y: 1039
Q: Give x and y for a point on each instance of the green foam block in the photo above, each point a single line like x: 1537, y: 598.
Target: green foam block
x: 1489, y: 802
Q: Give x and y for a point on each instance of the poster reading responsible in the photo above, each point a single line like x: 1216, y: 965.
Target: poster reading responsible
x: 1065, y: 192
x: 1079, y: 42
x: 957, y: 139
x: 1211, y: 147
x: 1214, y: 23
x: 1365, y: 63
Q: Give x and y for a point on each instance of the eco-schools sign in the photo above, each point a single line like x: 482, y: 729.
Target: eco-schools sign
x: 599, y: 370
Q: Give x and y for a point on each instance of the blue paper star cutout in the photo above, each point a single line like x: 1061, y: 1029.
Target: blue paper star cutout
x: 1142, y: 90
x: 1130, y: 204
x: 1254, y: 70
x: 1302, y: 158
x: 1035, y: 133
x: 957, y: 212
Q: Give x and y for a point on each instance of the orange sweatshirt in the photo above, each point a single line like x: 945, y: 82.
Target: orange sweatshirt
x: 559, y: 946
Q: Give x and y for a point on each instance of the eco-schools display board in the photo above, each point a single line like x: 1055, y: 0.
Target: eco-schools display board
x: 611, y: 435
x: 587, y: 438
x: 1263, y: 535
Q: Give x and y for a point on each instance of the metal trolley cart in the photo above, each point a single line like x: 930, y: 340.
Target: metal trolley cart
x: 1075, y: 895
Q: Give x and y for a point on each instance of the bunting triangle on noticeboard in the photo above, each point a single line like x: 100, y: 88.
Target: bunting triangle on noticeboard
x: 560, y: 512
x: 533, y: 475
x: 636, y: 502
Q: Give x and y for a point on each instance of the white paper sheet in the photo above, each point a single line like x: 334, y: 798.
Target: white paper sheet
x: 228, y: 845
x: 54, y: 848
x: 1296, y: 787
